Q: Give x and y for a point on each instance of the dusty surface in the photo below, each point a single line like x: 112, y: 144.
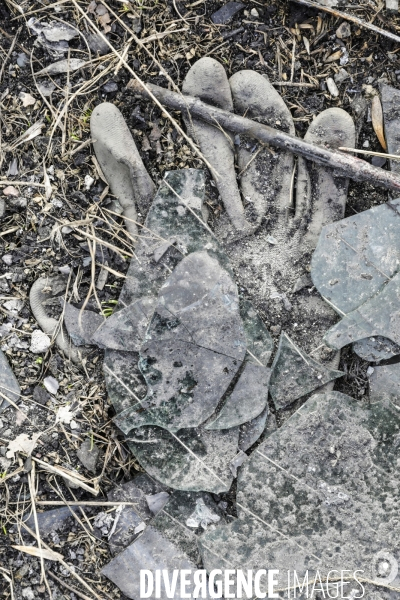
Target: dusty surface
x: 33, y: 242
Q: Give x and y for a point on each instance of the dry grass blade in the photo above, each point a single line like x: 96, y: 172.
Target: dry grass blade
x: 74, y: 478
x: 40, y: 552
x: 65, y: 565
x: 377, y: 120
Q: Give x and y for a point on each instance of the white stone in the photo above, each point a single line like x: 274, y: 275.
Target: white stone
x: 88, y: 182
x: 332, y: 87
x: 40, y: 342
x: 28, y: 593
x: 51, y: 384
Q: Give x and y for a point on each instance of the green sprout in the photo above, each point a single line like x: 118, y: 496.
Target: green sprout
x: 109, y: 307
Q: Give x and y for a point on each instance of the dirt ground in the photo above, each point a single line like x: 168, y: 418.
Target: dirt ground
x: 45, y: 231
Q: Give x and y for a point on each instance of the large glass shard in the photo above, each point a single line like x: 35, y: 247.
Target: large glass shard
x: 247, y: 400
x: 193, y: 347
x: 379, y: 316
x: 322, y: 493
x: 357, y: 256
x: 190, y: 459
x: 187, y: 458
x: 151, y: 552
x: 9, y: 387
x: 125, y: 329
x: 295, y: 374
x: 81, y: 324
x: 375, y: 349
x: 169, y: 542
x: 384, y: 384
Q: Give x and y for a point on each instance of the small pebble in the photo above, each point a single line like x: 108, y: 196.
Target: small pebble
x: 40, y: 342
x: 332, y: 87
x: 51, y: 384
x: 343, y: 31
x: 7, y: 259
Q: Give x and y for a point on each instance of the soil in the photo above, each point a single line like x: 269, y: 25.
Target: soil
x: 40, y: 236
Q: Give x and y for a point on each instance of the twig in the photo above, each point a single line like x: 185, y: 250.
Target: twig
x: 3, y: 66
x: 370, y: 153
x: 294, y: 84
x: 342, y: 15
x: 69, y: 587
x: 82, y: 503
x: 30, y: 183
x: 343, y: 164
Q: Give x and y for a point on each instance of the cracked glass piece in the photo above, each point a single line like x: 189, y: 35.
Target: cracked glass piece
x: 125, y: 329
x: 259, y: 341
x: 251, y: 431
x: 384, y: 384
x: 247, y: 400
x: 168, y: 542
x: 202, y: 516
x: 190, y: 459
x: 81, y: 324
x: 131, y: 517
x: 295, y: 374
x: 9, y: 386
x: 376, y: 348
x: 193, y: 347
x: 322, y: 493
x: 151, y: 551
x: 357, y: 256
x: 379, y: 316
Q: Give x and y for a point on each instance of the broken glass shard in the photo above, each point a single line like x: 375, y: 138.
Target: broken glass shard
x: 190, y: 459
x: 193, y: 347
x: 9, y: 387
x: 259, y: 341
x: 384, y: 384
x: 375, y: 349
x: 125, y: 329
x: 151, y: 552
x: 169, y: 542
x: 250, y: 432
x: 131, y: 517
x: 321, y: 493
x: 357, y: 256
x: 295, y: 374
x: 247, y: 400
x: 81, y: 324
x: 379, y: 316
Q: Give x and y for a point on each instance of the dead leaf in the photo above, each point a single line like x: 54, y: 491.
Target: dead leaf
x: 306, y: 44
x: 10, y: 190
x: 377, y: 120
x: 92, y: 7
x: 62, y: 66
x: 40, y: 552
x: 335, y: 56
x: 27, y: 99
x: 20, y: 418
x: 22, y: 443
x: 32, y: 132
x: 47, y: 185
x: 104, y: 21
